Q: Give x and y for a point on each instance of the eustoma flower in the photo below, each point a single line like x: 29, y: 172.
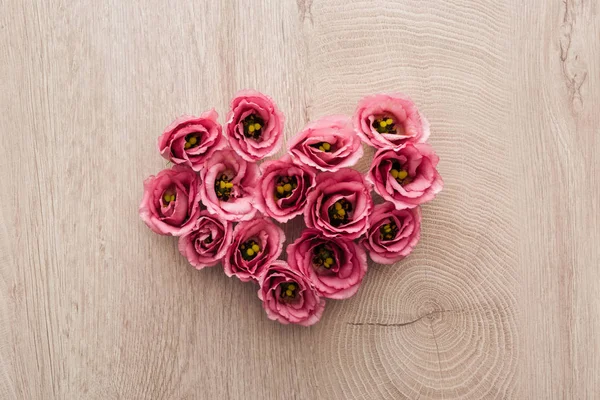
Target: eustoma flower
x: 288, y: 296
x: 254, y: 125
x: 393, y: 233
x: 228, y: 186
x: 191, y: 140
x: 224, y: 206
x: 207, y: 243
x: 339, y: 205
x: 170, y: 204
x: 387, y: 121
x: 328, y: 144
x: 255, y: 245
x: 335, y: 266
x: 282, y: 189
x: 406, y: 177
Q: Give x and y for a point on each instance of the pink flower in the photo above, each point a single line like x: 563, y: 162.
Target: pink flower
x: 288, y: 296
x: 191, y: 140
x: 387, y: 121
x: 406, y: 177
x: 282, y: 189
x: 170, y: 205
x: 327, y: 144
x: 340, y: 204
x: 255, y: 245
x: 254, y: 125
x: 335, y: 266
x: 393, y: 233
x: 228, y: 186
x: 207, y: 243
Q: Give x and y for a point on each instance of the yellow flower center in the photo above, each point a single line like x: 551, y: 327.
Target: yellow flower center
x: 289, y: 290
x: 192, y: 140
x: 223, y: 187
x: 388, y: 231
x: 285, y: 186
x: 385, y: 125
x: 399, y: 174
x: 339, y: 212
x: 323, y: 256
x: 249, y: 249
x: 168, y: 196
x: 253, y: 125
x: 323, y: 146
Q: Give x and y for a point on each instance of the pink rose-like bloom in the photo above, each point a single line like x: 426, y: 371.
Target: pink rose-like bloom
x: 254, y: 125
x: 288, y: 296
x: 282, y: 189
x: 208, y: 242
x: 387, y: 121
x: 406, y: 177
x: 328, y: 144
x: 228, y: 186
x: 340, y: 204
x: 191, y: 140
x: 393, y: 233
x: 335, y: 266
x: 170, y: 205
x: 255, y: 245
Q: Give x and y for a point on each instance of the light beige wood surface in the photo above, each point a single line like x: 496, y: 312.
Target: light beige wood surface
x: 499, y: 300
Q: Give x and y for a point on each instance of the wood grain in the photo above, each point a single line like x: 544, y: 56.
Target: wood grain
x: 499, y: 300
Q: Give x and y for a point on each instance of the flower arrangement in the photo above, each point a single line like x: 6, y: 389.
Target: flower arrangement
x: 225, y: 207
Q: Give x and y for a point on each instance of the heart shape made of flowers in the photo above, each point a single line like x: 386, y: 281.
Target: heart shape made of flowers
x: 225, y: 207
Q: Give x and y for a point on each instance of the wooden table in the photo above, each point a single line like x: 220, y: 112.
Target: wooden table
x: 499, y: 300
